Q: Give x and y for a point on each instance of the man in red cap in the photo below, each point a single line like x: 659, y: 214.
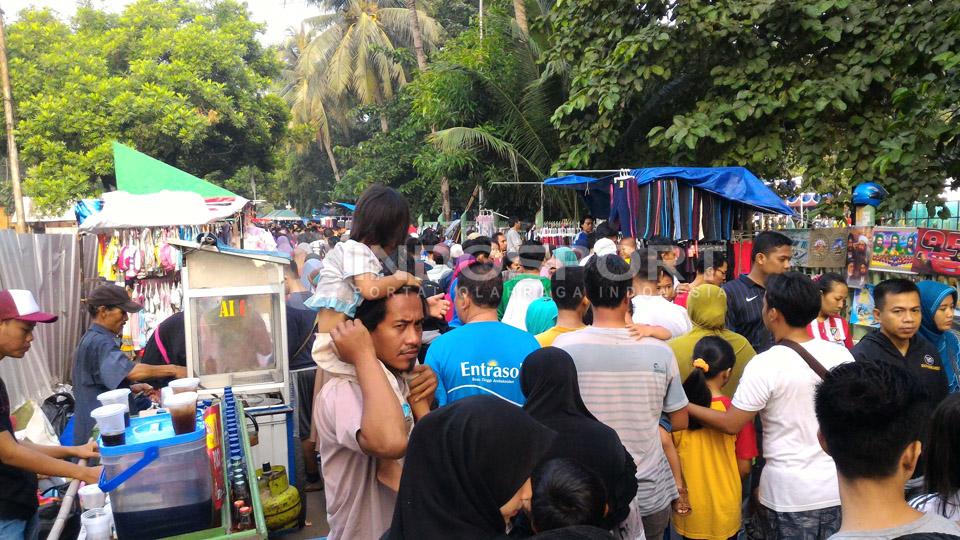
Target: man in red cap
x: 100, y: 366
x: 21, y: 462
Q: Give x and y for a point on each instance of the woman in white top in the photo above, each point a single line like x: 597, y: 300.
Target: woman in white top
x: 942, y: 452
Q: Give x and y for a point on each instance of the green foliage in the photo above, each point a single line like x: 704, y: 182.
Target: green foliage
x: 452, y: 15
x: 840, y: 91
x: 183, y: 82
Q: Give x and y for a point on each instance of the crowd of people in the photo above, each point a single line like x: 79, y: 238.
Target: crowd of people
x: 494, y: 388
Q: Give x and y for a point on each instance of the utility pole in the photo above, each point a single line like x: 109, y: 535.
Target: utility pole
x: 12, y: 157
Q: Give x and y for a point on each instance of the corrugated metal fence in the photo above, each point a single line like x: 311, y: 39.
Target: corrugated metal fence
x: 51, y: 266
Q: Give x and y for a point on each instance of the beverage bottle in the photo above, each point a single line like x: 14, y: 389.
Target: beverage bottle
x: 235, y: 511
x: 246, y: 519
x: 241, y: 489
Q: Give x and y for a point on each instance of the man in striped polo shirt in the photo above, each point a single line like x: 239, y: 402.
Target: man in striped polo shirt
x: 771, y: 255
x: 627, y: 384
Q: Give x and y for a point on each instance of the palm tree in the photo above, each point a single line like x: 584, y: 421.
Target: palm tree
x: 417, y: 35
x: 521, y: 133
x: 305, y: 97
x: 520, y: 13
x: 354, y: 50
x: 422, y: 66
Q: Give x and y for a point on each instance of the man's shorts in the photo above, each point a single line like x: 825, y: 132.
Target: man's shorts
x: 817, y: 524
x: 301, y: 397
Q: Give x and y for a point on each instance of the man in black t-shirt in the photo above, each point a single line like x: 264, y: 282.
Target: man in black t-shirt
x: 167, y: 345
x: 21, y: 462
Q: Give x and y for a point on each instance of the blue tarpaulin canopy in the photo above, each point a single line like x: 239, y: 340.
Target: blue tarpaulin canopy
x: 348, y: 206
x: 572, y: 181
x: 732, y: 183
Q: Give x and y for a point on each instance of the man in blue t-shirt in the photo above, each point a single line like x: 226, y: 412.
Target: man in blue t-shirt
x: 484, y: 355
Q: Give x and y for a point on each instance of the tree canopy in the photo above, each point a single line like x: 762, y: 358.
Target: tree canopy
x: 836, y: 91
x: 183, y: 82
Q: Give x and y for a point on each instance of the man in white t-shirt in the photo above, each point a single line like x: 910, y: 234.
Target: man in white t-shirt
x: 798, y: 492
x: 872, y: 415
x: 514, y: 239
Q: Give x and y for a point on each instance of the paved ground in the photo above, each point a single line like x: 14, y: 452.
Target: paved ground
x: 316, y: 518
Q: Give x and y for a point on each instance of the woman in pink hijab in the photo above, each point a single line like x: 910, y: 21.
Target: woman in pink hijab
x: 283, y: 246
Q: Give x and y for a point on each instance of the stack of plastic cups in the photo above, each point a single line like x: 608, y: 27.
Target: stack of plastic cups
x: 96, y: 523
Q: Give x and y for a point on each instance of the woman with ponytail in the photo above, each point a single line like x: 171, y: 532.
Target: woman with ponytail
x: 713, y: 463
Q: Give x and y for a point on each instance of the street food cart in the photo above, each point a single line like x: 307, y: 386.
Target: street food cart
x: 235, y: 319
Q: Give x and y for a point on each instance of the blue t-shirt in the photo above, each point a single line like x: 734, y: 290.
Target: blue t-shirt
x: 478, y: 359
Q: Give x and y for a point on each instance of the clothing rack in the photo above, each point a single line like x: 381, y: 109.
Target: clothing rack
x: 142, y: 260
x: 558, y: 233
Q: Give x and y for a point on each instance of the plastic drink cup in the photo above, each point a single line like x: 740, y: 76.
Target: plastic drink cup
x: 96, y: 522
x: 189, y: 384
x: 110, y: 421
x: 92, y: 497
x: 183, y: 412
x: 165, y: 394
x: 120, y: 396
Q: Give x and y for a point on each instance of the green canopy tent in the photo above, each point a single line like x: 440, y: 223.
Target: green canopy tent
x: 151, y: 193
x: 282, y: 215
x: 140, y: 174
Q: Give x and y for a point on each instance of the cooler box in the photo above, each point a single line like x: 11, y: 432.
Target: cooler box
x: 159, y: 482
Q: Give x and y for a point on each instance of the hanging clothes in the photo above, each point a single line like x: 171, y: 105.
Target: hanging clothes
x: 671, y: 209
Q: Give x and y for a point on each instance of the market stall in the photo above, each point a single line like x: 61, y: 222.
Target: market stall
x: 696, y: 207
x: 156, y: 203
x: 134, y: 234
x: 229, y: 469
x: 680, y: 203
x: 170, y: 477
x: 282, y: 215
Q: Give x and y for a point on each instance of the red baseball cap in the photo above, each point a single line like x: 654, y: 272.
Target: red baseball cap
x: 20, y: 304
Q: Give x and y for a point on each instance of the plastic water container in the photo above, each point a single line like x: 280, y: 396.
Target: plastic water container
x: 159, y: 482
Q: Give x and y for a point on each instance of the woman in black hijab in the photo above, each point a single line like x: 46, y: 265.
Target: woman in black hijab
x: 548, y: 379
x: 467, y: 471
